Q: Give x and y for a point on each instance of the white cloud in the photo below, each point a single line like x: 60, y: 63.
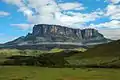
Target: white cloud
x: 110, y: 29
x: 46, y: 12
x: 113, y: 11
x: 21, y: 5
x: 50, y: 12
x: 3, y: 13
x: 23, y: 26
x: 26, y: 11
x: 112, y: 24
x: 70, y: 6
x: 114, y: 1
x: 113, y: 34
x: 82, y: 18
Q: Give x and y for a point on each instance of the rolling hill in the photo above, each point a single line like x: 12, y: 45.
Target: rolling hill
x: 103, y: 55
x: 108, y: 49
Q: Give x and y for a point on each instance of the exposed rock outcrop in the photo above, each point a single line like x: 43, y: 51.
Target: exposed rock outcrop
x: 56, y: 33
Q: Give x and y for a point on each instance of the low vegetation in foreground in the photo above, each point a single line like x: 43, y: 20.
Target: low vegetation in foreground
x: 40, y: 73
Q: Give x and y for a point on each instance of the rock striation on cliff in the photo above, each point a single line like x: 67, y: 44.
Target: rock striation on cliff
x: 56, y: 33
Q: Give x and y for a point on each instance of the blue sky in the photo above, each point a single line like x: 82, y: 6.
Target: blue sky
x: 17, y: 17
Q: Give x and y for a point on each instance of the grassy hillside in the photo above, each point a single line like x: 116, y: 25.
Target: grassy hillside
x: 104, y: 55
x: 109, y: 49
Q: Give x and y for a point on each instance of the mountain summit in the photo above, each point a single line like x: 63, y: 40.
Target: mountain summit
x: 44, y: 33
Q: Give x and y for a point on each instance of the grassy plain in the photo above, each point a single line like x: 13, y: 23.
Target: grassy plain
x: 40, y: 73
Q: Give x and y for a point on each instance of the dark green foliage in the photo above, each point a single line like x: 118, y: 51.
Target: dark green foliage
x: 42, y: 60
x: 46, y: 60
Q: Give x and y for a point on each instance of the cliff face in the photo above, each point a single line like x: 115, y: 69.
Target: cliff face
x: 57, y: 33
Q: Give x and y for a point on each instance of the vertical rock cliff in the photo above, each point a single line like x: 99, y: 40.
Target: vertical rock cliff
x: 57, y: 33
x: 60, y: 33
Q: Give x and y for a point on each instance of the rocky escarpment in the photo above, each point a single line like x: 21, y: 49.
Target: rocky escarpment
x: 56, y: 33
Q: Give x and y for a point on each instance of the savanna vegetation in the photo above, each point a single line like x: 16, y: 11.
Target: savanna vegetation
x: 44, y: 73
x: 101, y: 62
x: 100, y: 56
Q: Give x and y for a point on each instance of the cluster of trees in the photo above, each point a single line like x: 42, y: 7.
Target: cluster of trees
x: 59, y: 59
x: 45, y: 60
x: 41, y: 60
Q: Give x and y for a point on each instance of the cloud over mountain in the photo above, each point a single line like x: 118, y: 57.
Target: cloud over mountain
x: 73, y: 13
x: 51, y: 12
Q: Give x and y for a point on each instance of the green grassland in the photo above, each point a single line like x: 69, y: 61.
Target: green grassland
x: 101, y: 62
x: 40, y: 73
x: 105, y: 55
